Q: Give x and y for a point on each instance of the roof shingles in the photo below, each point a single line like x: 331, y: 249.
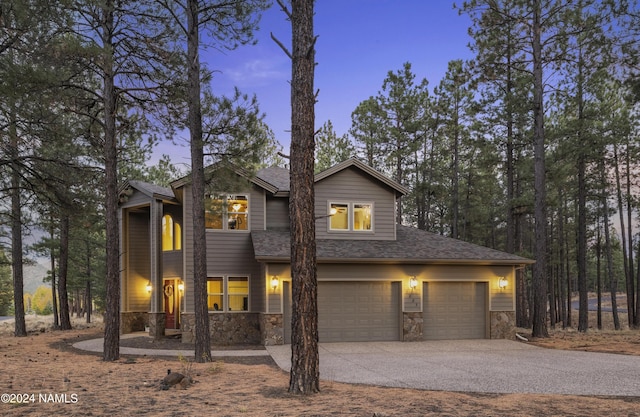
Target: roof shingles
x: 411, y: 245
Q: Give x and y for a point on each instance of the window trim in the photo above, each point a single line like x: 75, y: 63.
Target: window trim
x: 226, y: 212
x: 225, y: 292
x: 350, y: 216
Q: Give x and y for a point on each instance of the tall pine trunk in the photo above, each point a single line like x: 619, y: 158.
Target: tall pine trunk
x: 111, y: 351
x: 540, y: 211
x: 54, y: 296
x: 201, y: 310
x: 304, y: 377
x: 613, y: 280
x: 20, y: 326
x: 65, y: 321
x: 628, y: 279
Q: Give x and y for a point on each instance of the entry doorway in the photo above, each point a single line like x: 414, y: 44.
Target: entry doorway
x: 172, y: 298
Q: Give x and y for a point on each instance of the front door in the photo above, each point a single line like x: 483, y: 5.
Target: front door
x: 171, y: 303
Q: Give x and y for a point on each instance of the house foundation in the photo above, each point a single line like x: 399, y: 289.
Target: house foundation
x: 225, y: 328
x: 503, y: 325
x: 412, y: 326
x: 156, y: 325
x: 133, y: 321
x: 271, y: 329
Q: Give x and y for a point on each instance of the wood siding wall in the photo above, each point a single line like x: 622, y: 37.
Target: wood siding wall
x: 136, y: 199
x: 352, y: 185
x: 228, y: 253
x: 139, y: 261
x: 277, y: 213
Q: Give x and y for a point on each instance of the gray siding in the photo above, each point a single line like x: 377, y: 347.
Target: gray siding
x: 172, y: 264
x: 136, y: 199
x: 503, y: 299
x: 228, y: 253
x: 277, y: 213
x: 139, y: 262
x: 352, y: 185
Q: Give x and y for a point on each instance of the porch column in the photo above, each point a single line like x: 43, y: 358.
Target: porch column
x: 156, y: 316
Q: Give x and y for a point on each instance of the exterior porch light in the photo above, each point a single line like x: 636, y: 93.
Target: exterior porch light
x: 149, y: 287
x: 181, y: 287
x: 413, y: 282
x: 502, y: 283
x: 274, y: 282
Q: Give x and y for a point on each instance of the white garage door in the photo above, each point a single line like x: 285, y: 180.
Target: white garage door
x: 455, y: 310
x: 355, y: 311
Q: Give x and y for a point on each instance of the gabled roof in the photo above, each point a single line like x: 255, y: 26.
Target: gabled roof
x: 276, y: 176
x: 353, y: 162
x: 411, y: 246
x: 150, y: 190
x: 181, y: 182
x: 279, y: 177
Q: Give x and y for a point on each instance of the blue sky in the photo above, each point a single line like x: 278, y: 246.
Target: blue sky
x: 359, y: 41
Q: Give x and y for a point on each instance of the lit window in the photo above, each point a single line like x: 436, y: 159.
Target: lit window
x: 171, y: 234
x: 339, y: 216
x: 215, y: 294
x: 351, y: 216
x: 227, y: 212
x: 361, y: 216
x: 228, y: 293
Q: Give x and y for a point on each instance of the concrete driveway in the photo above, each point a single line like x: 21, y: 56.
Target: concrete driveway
x: 488, y: 366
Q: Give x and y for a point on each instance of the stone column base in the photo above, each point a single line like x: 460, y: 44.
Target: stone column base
x: 503, y: 325
x: 132, y: 321
x: 156, y: 325
x: 271, y: 329
x: 412, y: 327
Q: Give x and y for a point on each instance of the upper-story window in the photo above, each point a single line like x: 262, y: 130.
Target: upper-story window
x: 356, y: 217
x: 171, y: 234
x: 227, y: 212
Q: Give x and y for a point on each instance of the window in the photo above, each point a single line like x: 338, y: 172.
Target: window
x: 228, y: 293
x: 171, y: 234
x: 351, y: 216
x: 227, y: 212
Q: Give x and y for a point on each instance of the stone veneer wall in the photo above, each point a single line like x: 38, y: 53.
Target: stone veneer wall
x: 412, y: 327
x: 272, y: 329
x: 503, y: 324
x: 225, y: 328
x: 156, y: 325
x: 134, y: 321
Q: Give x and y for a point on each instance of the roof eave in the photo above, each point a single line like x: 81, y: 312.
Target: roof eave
x: 478, y: 262
x: 364, y: 167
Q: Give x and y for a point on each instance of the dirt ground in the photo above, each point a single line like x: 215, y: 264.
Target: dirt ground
x: 45, y: 376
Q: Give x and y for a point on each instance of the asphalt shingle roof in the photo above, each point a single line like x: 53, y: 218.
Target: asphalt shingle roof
x: 152, y: 189
x: 411, y: 245
x: 276, y: 176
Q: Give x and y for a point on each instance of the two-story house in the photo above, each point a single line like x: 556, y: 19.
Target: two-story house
x: 377, y: 280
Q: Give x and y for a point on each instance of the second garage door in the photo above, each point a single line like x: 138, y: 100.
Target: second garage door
x: 455, y: 310
x: 358, y: 311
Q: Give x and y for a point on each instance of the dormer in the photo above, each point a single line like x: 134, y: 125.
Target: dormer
x: 354, y: 201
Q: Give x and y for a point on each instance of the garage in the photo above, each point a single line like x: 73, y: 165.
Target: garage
x: 455, y: 310
x: 355, y: 311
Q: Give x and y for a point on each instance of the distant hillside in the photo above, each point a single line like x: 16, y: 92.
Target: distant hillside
x: 33, y: 275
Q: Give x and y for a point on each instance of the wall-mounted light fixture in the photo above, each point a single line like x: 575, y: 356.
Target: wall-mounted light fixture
x: 181, y: 287
x: 149, y: 287
x: 413, y: 282
x: 274, y: 282
x: 502, y: 283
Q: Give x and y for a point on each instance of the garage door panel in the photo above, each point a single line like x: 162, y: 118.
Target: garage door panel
x: 357, y: 311
x: 455, y: 310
